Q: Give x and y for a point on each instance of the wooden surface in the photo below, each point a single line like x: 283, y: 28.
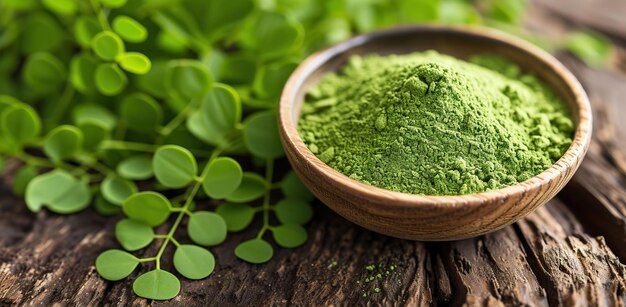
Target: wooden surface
x: 570, y: 252
x: 432, y: 218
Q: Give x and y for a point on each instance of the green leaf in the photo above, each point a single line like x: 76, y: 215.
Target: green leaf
x: 236, y: 216
x: 193, y: 262
x: 133, y: 235
x: 110, y: 79
x: 85, y: 29
x: 94, y: 133
x: 61, y: 7
x: 293, y: 211
x: 237, y: 69
x: 154, y: 81
x: 82, y: 70
x: 221, y: 112
x: 91, y: 112
x: 116, y: 264
x: 44, y: 72
x: 113, y: 3
x: 252, y: 187
x: 289, y: 235
x: 508, y: 11
x: 174, y: 166
x: 141, y: 112
x: 419, y: 10
x: 274, y: 35
x: 39, y: 33
x: 219, y: 16
x: 149, y: 207
x: 187, y: 79
x: 129, y: 29
x: 157, y: 285
x: 223, y: 177
x: 136, y: 168
x: 292, y: 187
x: 592, y: 48
x: 20, y: 124
x: 63, y: 142
x: 22, y: 177
x: 206, y: 228
x: 271, y: 78
x: 254, y: 251
x: 116, y: 190
x: 260, y: 134
x: 59, y: 191
x: 135, y: 62
x: 104, y: 207
x: 107, y: 45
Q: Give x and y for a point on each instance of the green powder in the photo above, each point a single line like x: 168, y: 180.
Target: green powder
x: 427, y: 123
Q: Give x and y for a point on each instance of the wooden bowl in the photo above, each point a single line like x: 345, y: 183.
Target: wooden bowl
x: 423, y: 217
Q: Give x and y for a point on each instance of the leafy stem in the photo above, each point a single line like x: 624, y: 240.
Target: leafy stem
x: 102, y: 18
x: 166, y: 130
x: 184, y: 210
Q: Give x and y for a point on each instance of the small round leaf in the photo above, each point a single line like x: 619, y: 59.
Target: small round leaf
x: 260, y: 134
x: 292, y: 187
x: 59, y: 191
x: 129, y: 29
x: 20, y: 123
x: 116, y: 264
x: 136, y: 168
x: 252, y: 187
x: 293, y: 211
x: 107, y: 45
x: 149, y: 207
x: 94, y: 133
x: 44, y: 72
x: 85, y: 29
x: 141, y: 112
x: 254, y: 251
x: 133, y: 235
x: 174, y: 166
x: 222, y: 178
x: 116, y: 189
x: 63, y: 142
x: 61, y: 7
x: 91, y: 112
x: 82, y: 70
x: 135, y: 62
x: 193, y: 262
x: 236, y: 216
x: 206, y: 228
x: 157, y: 285
x: 110, y: 79
x: 290, y: 235
x: 187, y: 79
x: 221, y: 112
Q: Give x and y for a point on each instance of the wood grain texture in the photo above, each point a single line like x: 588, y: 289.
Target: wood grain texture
x: 573, y: 246
x: 420, y: 217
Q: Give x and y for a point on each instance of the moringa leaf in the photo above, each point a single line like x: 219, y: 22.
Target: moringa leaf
x: 289, y: 235
x: 206, y: 228
x: 129, y: 29
x: 252, y: 187
x: 63, y: 142
x: 157, y: 285
x: 133, y: 235
x: 174, y: 166
x: 107, y: 45
x: 110, y: 79
x: 260, y: 134
x: 254, y: 251
x: 222, y: 178
x: 236, y: 216
x: 117, y: 190
x: 148, y: 207
x: 115, y: 264
x: 193, y: 262
x: 140, y: 112
x: 58, y: 191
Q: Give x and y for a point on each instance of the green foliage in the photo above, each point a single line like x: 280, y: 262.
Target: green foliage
x: 157, y: 285
x: 255, y: 251
x: 116, y: 264
x: 148, y: 207
x: 193, y: 262
x: 58, y: 191
x: 100, y: 94
x: 174, y: 166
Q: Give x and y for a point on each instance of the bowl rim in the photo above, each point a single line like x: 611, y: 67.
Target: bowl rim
x: 291, y: 137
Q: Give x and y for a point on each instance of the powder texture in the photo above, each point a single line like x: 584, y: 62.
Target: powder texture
x: 427, y: 123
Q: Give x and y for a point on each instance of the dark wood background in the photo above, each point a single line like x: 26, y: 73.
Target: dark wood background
x: 572, y: 251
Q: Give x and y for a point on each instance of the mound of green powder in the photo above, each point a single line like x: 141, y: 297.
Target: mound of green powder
x: 427, y: 123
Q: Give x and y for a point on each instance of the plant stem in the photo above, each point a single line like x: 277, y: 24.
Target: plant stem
x: 185, y: 210
x: 176, y: 121
x: 269, y: 171
x: 148, y: 148
x: 102, y: 18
